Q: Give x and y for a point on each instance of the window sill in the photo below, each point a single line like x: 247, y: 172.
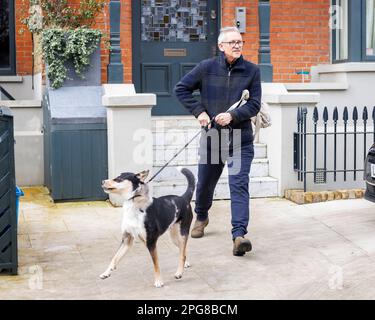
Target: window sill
x: 13, y: 79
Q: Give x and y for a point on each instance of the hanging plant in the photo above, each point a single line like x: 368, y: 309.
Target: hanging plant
x: 60, y: 46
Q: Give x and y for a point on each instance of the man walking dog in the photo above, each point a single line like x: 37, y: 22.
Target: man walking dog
x: 221, y: 81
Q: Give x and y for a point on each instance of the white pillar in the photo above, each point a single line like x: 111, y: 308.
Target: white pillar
x: 129, y: 131
x: 279, y: 136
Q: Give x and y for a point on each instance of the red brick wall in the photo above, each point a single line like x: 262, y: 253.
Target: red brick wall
x: 251, y: 37
x: 299, y: 36
x: 23, y: 44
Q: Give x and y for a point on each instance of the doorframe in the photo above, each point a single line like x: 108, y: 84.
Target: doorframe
x: 11, y: 70
x: 136, y: 47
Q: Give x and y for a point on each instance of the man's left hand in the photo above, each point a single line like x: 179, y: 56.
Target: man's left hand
x: 223, y: 119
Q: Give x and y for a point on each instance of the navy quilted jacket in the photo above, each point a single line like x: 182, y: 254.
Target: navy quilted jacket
x: 221, y: 85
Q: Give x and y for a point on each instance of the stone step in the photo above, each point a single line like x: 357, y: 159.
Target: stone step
x: 260, y: 187
x: 259, y: 168
x: 189, y: 156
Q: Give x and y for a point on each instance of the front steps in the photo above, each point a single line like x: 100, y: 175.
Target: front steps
x: 170, y: 135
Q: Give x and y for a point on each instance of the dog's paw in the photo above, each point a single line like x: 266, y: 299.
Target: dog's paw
x: 105, y: 275
x: 178, y: 275
x: 187, y: 265
x: 158, y: 284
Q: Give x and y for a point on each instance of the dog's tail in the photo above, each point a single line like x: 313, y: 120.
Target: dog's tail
x: 191, y: 183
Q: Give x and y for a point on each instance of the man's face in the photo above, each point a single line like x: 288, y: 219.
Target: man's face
x: 232, y: 46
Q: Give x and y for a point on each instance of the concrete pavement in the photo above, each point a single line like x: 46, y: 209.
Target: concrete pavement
x: 315, y: 251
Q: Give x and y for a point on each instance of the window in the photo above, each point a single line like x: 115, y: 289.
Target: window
x: 7, y: 51
x: 353, y: 30
x: 340, y: 25
x: 370, y: 28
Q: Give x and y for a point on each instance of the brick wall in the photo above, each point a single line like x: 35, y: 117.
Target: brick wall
x: 299, y: 32
x: 23, y: 44
x: 299, y: 36
x: 251, y: 37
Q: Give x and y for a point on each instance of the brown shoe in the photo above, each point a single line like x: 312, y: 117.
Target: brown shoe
x: 198, y: 228
x: 241, y: 245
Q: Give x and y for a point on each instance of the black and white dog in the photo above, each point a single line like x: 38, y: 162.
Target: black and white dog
x: 147, y: 218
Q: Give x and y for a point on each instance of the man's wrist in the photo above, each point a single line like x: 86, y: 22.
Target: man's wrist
x: 233, y: 116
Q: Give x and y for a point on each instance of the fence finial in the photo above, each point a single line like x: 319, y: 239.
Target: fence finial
x: 365, y: 114
x: 325, y: 114
x: 335, y: 114
x: 315, y: 115
x: 345, y: 115
x: 355, y: 114
x: 299, y: 115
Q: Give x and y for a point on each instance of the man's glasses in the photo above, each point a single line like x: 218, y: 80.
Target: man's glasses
x: 235, y: 43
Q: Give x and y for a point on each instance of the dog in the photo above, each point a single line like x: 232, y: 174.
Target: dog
x: 147, y: 218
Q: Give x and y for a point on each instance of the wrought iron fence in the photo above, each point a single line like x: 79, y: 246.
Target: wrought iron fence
x: 330, y: 137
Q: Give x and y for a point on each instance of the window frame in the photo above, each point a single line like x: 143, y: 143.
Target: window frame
x: 365, y: 57
x: 356, y: 34
x: 333, y: 37
x: 11, y: 70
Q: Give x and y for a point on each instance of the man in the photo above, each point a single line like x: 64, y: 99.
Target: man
x: 221, y: 81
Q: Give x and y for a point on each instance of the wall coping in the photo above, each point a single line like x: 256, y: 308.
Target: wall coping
x: 292, y: 98
x: 317, y: 86
x: 344, y: 67
x: 124, y: 95
x: 140, y: 100
x: 21, y: 103
x: 5, y: 79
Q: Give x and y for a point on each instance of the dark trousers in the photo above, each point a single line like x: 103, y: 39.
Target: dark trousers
x: 238, y: 162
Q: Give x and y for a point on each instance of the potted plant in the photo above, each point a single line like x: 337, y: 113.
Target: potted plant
x: 69, y: 44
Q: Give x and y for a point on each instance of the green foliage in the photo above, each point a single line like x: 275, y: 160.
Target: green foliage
x: 66, y: 33
x: 59, y: 14
x: 60, y: 46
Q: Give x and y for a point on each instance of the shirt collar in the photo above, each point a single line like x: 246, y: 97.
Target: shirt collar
x: 238, y: 63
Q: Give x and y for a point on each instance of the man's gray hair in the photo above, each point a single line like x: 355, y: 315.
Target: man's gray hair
x: 224, y: 31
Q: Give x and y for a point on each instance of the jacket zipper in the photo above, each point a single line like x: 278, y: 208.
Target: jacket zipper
x: 228, y: 84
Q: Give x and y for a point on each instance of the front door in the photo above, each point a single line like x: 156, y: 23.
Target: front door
x: 169, y: 38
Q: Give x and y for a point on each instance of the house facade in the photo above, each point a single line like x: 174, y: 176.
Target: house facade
x: 159, y: 41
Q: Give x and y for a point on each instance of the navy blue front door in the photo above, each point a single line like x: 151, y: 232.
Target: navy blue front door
x: 169, y: 38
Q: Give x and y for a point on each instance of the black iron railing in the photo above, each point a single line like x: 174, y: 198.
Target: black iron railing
x: 321, y: 133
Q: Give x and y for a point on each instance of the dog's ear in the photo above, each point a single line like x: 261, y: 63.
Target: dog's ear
x: 142, y: 175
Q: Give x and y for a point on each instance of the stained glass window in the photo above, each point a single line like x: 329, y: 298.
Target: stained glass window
x: 174, y: 20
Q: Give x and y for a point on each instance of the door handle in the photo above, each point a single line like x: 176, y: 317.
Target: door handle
x: 213, y: 14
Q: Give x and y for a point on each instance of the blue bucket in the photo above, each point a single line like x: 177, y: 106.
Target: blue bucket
x: 19, y: 193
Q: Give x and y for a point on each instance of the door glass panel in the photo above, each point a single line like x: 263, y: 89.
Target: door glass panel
x: 4, y: 34
x: 174, y: 20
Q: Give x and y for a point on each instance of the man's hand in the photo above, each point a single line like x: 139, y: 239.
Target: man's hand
x: 204, y: 119
x: 223, y: 119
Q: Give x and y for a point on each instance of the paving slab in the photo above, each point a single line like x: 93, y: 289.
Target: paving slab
x: 314, y: 251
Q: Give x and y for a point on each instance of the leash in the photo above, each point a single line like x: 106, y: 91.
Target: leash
x: 245, y: 96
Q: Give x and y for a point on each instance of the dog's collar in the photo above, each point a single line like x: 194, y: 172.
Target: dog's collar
x: 135, y: 196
